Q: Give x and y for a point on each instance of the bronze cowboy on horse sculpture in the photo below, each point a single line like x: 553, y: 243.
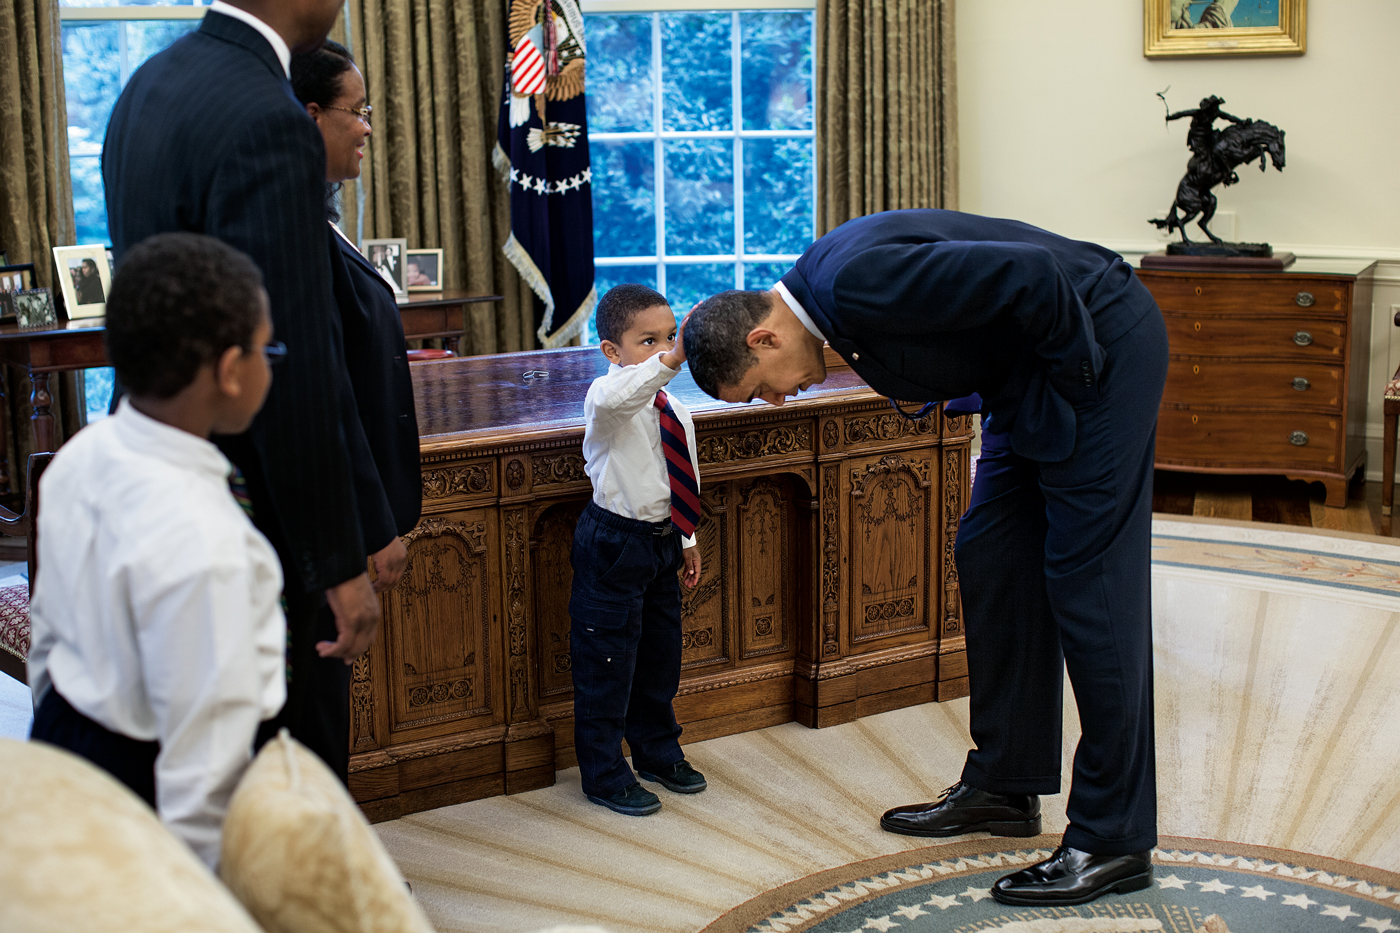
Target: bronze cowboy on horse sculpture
x: 1214, y: 156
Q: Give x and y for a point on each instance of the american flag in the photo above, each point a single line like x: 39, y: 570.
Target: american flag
x: 527, y: 70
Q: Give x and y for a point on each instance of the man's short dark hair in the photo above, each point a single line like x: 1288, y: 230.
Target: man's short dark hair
x: 716, y: 338
x: 618, y: 308
x: 178, y: 301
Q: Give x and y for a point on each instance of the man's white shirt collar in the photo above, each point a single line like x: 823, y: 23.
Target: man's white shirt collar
x: 799, y: 312
x: 279, y: 45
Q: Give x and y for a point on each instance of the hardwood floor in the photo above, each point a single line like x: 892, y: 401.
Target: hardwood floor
x: 1271, y: 499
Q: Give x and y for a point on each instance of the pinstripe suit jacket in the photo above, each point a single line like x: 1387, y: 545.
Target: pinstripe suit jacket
x: 208, y: 137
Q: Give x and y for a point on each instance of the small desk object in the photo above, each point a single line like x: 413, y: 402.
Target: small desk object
x: 439, y: 314
x: 1268, y: 371
x: 829, y: 590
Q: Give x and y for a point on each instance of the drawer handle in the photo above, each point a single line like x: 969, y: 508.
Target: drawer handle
x: 1298, y: 439
x: 1301, y: 384
x: 1302, y: 338
x: 1305, y: 299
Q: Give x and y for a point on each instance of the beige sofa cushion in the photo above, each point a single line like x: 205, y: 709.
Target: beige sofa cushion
x: 302, y: 858
x: 81, y: 852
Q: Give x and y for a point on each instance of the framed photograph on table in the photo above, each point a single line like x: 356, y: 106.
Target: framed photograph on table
x: 424, y: 270
x: 388, y: 257
x: 13, y: 277
x: 1200, y: 28
x: 85, y: 278
x: 34, y: 308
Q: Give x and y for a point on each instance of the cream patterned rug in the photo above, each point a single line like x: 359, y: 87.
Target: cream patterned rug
x: 1278, y: 725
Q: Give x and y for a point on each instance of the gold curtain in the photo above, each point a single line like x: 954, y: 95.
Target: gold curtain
x: 36, y: 198
x: 886, y: 107
x: 434, y: 70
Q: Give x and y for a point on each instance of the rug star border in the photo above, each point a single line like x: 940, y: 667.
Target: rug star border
x: 1359, y: 563
x: 1352, y: 897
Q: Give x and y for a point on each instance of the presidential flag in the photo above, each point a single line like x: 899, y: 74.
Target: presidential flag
x: 542, y: 152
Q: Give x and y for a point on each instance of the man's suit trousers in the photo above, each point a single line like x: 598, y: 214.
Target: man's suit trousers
x: 1055, y: 565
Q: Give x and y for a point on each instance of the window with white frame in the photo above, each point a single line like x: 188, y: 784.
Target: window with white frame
x: 103, y: 43
x: 701, y: 137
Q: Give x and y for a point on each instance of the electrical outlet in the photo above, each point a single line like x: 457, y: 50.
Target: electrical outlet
x: 1224, y: 224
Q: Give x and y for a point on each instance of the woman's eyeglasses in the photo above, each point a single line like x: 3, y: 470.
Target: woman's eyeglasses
x: 362, y: 112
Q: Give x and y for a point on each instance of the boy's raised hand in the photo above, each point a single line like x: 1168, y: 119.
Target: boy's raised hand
x: 675, y: 356
x: 690, y: 566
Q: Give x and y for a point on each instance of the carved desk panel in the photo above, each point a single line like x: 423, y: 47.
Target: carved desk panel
x: 828, y: 592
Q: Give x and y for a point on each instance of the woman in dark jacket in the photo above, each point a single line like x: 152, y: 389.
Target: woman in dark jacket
x: 389, y: 489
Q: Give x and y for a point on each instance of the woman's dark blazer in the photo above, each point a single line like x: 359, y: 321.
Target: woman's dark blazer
x: 376, y: 358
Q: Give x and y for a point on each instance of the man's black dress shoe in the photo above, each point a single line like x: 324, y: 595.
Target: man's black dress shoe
x: 1072, y: 877
x: 965, y: 809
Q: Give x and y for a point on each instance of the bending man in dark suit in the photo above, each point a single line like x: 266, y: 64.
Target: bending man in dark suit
x: 1068, y: 354
x: 208, y: 137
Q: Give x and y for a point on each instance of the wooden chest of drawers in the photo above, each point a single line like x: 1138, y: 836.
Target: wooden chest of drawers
x: 1268, y: 371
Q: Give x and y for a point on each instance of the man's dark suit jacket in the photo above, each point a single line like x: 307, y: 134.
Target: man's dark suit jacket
x: 377, y: 359
x: 930, y: 305
x: 207, y: 137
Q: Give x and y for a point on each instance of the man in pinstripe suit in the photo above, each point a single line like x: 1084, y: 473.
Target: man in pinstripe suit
x: 208, y: 137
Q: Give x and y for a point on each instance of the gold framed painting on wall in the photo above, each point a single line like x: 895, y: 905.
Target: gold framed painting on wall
x: 1199, y: 28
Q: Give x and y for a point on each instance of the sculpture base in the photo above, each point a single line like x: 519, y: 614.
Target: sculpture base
x: 1253, y: 250
x: 1217, y: 263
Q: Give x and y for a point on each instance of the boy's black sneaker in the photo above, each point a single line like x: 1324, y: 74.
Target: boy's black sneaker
x: 632, y: 800
x: 679, y: 778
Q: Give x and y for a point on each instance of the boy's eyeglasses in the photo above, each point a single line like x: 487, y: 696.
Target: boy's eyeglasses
x: 275, y: 352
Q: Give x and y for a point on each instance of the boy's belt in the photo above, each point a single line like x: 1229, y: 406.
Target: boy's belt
x: 628, y: 525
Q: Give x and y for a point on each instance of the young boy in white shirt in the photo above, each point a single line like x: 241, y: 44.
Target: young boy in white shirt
x: 158, y: 634
x: 630, y: 543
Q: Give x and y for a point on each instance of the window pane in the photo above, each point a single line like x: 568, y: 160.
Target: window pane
x: 777, y: 70
x: 777, y: 195
x: 97, y: 390
x: 624, y: 198
x: 89, y: 200
x: 91, y: 82
x: 690, y: 282
x: 605, y: 277
x: 696, y: 68
x: 619, y: 73
x: 761, y: 276
x: 699, y: 196
x: 144, y: 39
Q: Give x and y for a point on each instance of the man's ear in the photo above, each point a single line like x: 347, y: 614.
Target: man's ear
x: 226, y: 375
x: 611, y: 351
x: 763, y: 337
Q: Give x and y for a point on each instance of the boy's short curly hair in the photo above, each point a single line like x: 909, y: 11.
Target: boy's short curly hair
x: 178, y: 301
x: 620, y: 305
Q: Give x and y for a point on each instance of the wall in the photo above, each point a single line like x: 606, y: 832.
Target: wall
x: 1059, y: 126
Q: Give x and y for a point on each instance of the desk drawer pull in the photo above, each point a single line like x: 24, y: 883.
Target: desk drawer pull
x: 1301, y: 384
x: 1298, y: 439
x: 1305, y: 299
x: 1302, y: 338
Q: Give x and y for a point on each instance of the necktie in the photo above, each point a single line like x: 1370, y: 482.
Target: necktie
x: 239, y: 487
x: 685, y: 491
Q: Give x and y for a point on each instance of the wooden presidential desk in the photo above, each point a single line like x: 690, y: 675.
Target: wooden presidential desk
x: 829, y: 590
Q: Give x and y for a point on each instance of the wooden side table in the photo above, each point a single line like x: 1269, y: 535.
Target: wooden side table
x: 1268, y: 371
x: 40, y: 352
x: 443, y: 314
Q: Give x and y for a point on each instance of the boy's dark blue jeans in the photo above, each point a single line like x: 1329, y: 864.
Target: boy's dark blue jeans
x: 625, y: 641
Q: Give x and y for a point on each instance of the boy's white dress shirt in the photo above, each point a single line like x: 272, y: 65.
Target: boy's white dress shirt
x: 156, y: 609
x: 622, y: 441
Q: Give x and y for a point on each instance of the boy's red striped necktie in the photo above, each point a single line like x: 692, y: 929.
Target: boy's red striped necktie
x: 685, y: 491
